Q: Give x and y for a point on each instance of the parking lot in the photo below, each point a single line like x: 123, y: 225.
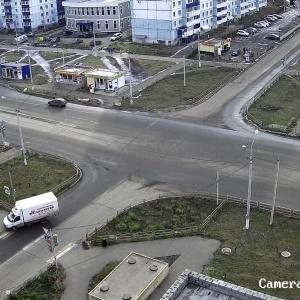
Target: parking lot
x: 257, y: 43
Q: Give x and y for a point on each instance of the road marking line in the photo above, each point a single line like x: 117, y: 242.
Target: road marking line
x: 67, y: 124
x: 32, y: 243
x: 63, y: 252
x: 4, y: 235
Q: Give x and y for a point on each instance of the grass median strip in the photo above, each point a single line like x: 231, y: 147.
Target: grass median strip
x: 255, y: 252
x: 41, y: 175
x: 198, y: 84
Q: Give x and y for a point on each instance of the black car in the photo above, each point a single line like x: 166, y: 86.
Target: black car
x: 88, y: 34
x: 98, y: 43
x: 273, y: 37
x: 236, y: 52
x: 57, y: 102
x: 77, y: 41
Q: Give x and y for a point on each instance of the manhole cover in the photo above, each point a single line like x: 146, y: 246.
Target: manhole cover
x: 285, y: 254
x: 104, y: 288
x: 226, y: 251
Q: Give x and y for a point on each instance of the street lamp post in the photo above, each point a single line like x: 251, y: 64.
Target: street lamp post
x: 274, y: 194
x: 21, y: 138
x: 250, y: 185
x: 125, y: 55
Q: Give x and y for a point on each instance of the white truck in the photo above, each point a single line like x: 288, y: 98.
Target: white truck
x: 31, y: 210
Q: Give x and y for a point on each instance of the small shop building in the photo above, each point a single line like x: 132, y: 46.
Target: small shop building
x: 215, y: 46
x: 106, y: 80
x: 14, y: 70
x: 72, y: 74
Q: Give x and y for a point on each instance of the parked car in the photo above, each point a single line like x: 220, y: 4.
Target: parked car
x: 272, y: 16
x: 88, y: 34
x: 55, y: 39
x: 249, y: 54
x: 59, y: 102
x: 269, y: 19
x: 273, y: 36
x: 277, y: 16
x: 116, y: 36
x: 259, y: 25
x: 30, y: 34
x: 98, y: 43
x: 67, y: 33
x: 251, y: 30
x: 242, y: 33
x: 236, y: 52
x: 266, y: 23
x: 77, y: 41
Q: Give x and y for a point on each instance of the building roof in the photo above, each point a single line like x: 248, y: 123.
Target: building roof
x: 104, y: 73
x: 131, y: 277
x: 13, y: 64
x: 73, y: 70
x: 92, y: 3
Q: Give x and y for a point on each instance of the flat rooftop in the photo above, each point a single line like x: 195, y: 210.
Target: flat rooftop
x: 91, y: 3
x: 73, y: 69
x: 13, y: 64
x: 131, y: 277
x: 105, y: 73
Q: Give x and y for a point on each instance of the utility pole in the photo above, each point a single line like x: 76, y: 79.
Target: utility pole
x: 199, y: 56
x: 131, y: 102
x: 12, y: 187
x: 184, y: 79
x: 284, y: 6
x: 30, y: 69
x: 21, y: 138
x: 63, y: 53
x: 217, y: 184
x: 94, y: 35
x: 2, y: 128
x: 274, y: 194
x: 250, y: 185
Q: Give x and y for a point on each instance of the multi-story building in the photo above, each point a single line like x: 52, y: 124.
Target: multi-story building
x: 27, y: 15
x: 98, y: 15
x: 173, y: 21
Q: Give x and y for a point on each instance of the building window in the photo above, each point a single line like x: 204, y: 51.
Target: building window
x: 42, y: 14
x: 114, y: 10
x: 98, y: 24
x: 106, y: 24
x: 46, y: 13
x: 179, y: 3
x: 103, y: 11
x: 41, y: 7
x: 108, y: 11
x: 87, y: 11
x: 92, y: 11
x: 174, y: 14
x: 79, y: 12
x: 179, y: 22
x: 174, y: 4
x: 122, y: 25
x: 127, y: 7
x: 48, y: 21
x: 46, y: 6
x: 179, y: 13
x: 121, y: 9
x: 97, y: 11
x: 51, y: 5
x: 82, y: 11
x: 202, y: 5
x: 115, y: 24
x: 174, y: 23
x: 75, y: 11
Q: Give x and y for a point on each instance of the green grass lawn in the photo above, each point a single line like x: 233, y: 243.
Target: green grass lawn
x: 92, y: 61
x: 175, y: 94
x: 146, y: 49
x: 285, y: 95
x: 255, y: 253
x: 48, y: 55
x: 152, y: 67
x: 41, y: 175
x: 39, y: 76
x: 14, y: 56
x: 48, y: 285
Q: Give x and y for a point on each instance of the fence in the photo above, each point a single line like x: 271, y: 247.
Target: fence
x: 96, y: 239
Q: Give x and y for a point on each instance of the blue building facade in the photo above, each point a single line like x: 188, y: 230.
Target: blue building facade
x: 12, y: 70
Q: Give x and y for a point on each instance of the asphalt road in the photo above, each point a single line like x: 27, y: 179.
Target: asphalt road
x: 111, y: 146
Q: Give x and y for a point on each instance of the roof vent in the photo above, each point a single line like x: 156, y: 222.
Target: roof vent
x: 131, y: 261
x: 153, y: 268
x: 126, y: 297
x: 104, y: 288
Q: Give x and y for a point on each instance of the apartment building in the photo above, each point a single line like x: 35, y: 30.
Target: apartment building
x: 28, y: 15
x: 99, y: 15
x: 171, y: 22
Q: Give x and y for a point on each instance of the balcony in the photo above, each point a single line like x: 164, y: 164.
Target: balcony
x: 222, y: 21
x: 222, y: 13
x: 222, y: 4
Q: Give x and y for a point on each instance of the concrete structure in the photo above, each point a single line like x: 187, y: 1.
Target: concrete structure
x: 12, y: 70
x: 192, y: 285
x: 28, y: 15
x: 135, y: 278
x: 107, y: 80
x: 174, y: 21
x: 101, y: 16
x: 72, y: 74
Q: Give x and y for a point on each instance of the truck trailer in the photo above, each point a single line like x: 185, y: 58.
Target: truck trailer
x: 31, y: 210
